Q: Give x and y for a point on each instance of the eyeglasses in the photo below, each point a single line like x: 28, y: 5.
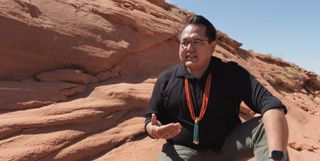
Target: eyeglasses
x: 194, y: 42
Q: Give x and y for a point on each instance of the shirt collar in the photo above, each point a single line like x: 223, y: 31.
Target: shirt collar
x: 183, y: 71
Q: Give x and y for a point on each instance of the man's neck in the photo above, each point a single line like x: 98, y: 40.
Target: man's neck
x: 198, y: 73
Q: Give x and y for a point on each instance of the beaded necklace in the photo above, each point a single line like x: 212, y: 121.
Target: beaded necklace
x: 205, y: 98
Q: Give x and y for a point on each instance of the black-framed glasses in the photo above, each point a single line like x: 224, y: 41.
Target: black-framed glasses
x: 194, y: 42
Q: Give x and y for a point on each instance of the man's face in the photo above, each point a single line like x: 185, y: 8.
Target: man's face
x: 195, y: 50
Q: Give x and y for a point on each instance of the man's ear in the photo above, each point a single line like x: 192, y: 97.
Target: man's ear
x: 213, y: 46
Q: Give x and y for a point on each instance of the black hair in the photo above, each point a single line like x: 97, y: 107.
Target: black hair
x: 200, y: 20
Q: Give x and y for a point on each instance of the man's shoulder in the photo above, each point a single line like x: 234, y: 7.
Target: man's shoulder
x: 222, y: 65
x: 170, y: 72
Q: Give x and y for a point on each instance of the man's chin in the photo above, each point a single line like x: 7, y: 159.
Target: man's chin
x: 189, y: 64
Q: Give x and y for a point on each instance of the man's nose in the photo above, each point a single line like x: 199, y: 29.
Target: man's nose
x: 190, y: 46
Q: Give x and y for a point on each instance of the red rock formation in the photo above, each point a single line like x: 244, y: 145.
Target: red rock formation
x: 19, y: 95
x: 67, y: 75
x: 76, y: 77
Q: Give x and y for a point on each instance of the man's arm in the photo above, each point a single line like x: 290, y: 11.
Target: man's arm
x: 276, y: 128
x: 260, y: 100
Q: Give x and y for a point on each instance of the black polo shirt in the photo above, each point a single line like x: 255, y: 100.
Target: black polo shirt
x: 231, y: 84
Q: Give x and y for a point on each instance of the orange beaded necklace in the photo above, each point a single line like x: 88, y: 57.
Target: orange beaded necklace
x: 205, y: 98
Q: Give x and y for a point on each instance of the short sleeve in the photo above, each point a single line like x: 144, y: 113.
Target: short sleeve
x: 253, y: 93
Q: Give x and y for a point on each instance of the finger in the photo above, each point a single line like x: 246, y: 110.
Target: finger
x: 169, y: 130
x: 169, y: 127
x: 154, y: 119
x: 174, y: 131
x: 178, y: 125
x: 164, y: 130
x: 171, y: 134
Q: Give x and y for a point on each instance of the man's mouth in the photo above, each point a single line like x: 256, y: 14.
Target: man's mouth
x: 188, y: 57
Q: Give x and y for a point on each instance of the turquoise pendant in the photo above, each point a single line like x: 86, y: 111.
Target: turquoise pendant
x: 196, y: 133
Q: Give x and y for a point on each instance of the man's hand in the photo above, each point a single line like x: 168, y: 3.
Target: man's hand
x: 156, y: 130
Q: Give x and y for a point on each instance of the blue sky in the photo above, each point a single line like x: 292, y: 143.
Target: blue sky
x: 288, y: 29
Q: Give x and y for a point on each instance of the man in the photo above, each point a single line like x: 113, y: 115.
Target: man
x: 195, y: 106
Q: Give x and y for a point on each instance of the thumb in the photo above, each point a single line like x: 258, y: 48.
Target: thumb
x: 154, y: 119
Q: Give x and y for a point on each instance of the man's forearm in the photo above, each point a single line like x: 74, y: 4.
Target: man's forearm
x: 276, y: 127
